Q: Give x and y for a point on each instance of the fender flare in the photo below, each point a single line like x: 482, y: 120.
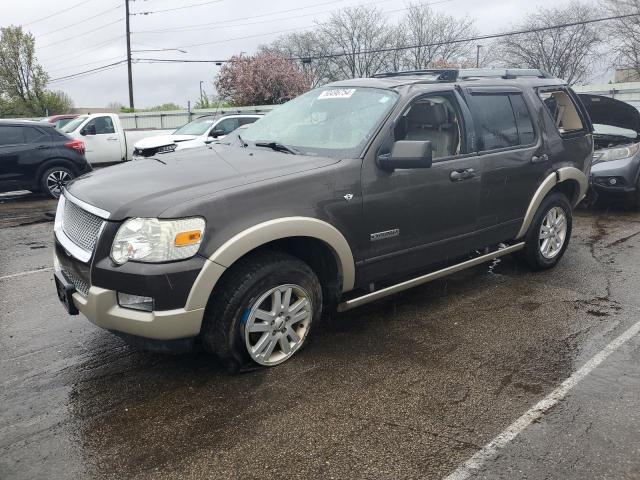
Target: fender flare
x: 561, y: 175
x: 261, y: 234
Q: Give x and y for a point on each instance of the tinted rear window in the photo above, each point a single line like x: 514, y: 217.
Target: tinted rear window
x: 523, y: 120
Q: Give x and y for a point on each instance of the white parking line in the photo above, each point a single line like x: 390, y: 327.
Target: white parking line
x: 13, y: 275
x: 490, y: 450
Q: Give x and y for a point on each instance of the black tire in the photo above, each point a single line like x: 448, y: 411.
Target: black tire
x: 223, y: 330
x: 62, y: 174
x: 532, y: 254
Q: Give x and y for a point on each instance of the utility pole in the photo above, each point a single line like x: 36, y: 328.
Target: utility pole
x: 478, y: 56
x: 126, y: 4
x: 201, y: 90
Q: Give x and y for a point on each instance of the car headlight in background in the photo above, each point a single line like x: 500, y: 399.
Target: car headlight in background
x: 618, y: 153
x: 151, y: 240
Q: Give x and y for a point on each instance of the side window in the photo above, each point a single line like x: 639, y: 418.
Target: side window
x: 562, y: 110
x: 523, y: 120
x: 227, y: 125
x: 11, y: 135
x: 35, y: 135
x: 246, y: 120
x: 433, y: 118
x: 495, y: 121
x: 102, y: 125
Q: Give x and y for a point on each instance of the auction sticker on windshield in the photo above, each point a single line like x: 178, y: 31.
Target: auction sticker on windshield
x: 337, y: 93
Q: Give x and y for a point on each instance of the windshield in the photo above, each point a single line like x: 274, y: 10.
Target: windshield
x: 73, y: 124
x: 331, y: 121
x: 197, y: 127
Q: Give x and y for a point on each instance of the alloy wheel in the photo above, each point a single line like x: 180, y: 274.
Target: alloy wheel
x: 277, y: 324
x: 56, y: 180
x: 553, y: 232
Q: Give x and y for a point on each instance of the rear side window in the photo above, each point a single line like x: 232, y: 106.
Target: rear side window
x: 563, y: 111
x: 246, y: 120
x: 35, y: 135
x: 523, y: 120
x: 11, y: 135
x: 502, y: 120
x: 495, y: 121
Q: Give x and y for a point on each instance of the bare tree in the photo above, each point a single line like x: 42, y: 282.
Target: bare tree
x: 307, y: 50
x: 565, y: 52
x: 439, y: 38
x: 625, y: 33
x: 357, y: 34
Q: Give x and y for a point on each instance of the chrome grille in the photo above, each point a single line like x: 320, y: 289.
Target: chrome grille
x: 80, y: 226
x: 81, y: 286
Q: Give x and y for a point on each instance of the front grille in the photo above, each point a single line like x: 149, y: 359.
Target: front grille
x: 79, y: 283
x: 80, y: 226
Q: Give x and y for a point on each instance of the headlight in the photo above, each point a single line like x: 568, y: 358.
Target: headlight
x: 609, y: 154
x: 151, y: 240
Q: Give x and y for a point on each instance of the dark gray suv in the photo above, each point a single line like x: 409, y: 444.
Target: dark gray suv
x: 346, y: 194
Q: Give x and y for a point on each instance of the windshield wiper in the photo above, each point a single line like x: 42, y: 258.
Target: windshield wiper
x: 278, y: 147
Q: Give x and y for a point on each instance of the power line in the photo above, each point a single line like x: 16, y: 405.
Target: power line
x: 151, y: 12
x: 57, y: 42
x: 49, y: 70
x: 245, y: 18
x: 82, y: 21
x: 74, y: 55
x: 56, y: 13
x: 409, y: 47
x: 92, y: 70
x: 288, y: 17
x: 470, y: 39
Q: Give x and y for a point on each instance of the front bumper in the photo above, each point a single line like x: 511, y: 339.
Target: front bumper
x: 616, y: 176
x: 101, y: 307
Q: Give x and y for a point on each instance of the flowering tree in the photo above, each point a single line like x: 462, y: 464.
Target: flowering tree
x: 265, y: 78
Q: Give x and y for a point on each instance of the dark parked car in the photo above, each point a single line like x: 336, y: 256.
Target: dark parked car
x: 616, y: 159
x: 344, y: 195
x: 37, y: 157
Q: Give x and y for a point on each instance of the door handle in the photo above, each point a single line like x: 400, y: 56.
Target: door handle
x: 539, y: 159
x: 112, y: 138
x: 42, y: 147
x: 462, y: 174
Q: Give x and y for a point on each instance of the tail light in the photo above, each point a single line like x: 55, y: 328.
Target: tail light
x: 77, y: 145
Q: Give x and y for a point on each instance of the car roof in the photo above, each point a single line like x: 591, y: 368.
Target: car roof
x: 463, y: 77
x: 31, y: 123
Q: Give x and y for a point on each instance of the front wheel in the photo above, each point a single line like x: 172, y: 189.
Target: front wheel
x: 264, y: 311
x: 549, y: 233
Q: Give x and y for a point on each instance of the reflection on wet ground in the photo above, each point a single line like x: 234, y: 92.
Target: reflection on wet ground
x: 407, y: 387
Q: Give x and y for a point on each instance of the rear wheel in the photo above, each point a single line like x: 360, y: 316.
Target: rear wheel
x: 54, y: 179
x: 549, y: 233
x: 265, y: 310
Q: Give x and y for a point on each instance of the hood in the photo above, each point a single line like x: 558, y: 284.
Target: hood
x: 612, y: 112
x: 148, y: 187
x: 616, y: 132
x: 161, y: 140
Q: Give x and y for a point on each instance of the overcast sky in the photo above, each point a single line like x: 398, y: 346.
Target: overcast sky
x: 72, y: 41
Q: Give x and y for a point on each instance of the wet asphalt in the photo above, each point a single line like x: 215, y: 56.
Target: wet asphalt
x: 408, y: 387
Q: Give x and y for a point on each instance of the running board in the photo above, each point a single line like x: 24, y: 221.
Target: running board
x: 414, y: 282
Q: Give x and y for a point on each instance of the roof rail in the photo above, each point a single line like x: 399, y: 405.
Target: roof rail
x: 506, y: 73
x: 441, y: 74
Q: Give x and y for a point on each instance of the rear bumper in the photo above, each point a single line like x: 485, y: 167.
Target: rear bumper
x: 101, y: 307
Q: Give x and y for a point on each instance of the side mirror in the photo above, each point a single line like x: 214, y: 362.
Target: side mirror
x: 216, y: 133
x: 407, y: 154
x: 89, y: 130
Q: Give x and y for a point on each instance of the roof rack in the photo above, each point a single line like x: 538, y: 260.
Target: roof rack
x: 440, y: 74
x: 451, y: 75
x: 506, y: 73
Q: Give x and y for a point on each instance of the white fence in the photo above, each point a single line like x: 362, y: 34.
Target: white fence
x: 177, y: 118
